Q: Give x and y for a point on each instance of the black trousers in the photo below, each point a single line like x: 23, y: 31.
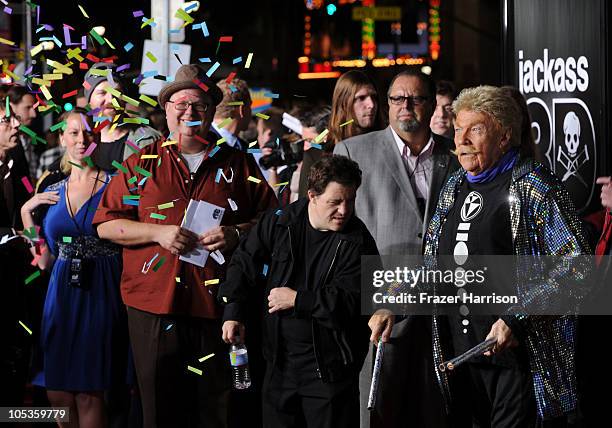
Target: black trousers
x: 293, y: 396
x: 492, y: 396
x: 172, y: 396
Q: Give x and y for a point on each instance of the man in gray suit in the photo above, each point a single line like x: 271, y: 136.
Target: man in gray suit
x: 404, y: 167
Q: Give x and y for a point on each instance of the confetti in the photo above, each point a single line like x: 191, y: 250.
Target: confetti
x: 26, y: 183
x: 253, y: 179
x: 232, y: 204
x: 224, y: 123
x: 212, y: 69
x: 138, y: 13
x: 151, y: 57
x: 193, y: 123
x: 148, y: 100
x: 120, y: 167
x: 142, y: 171
x: 32, y: 277
x: 67, y: 239
x: 322, y: 135
x: 263, y: 116
x: 149, y: 156
x: 248, y: 61
x: 83, y: 11
x: 211, y: 282
x: 265, y: 270
x: 237, y: 60
x: 193, y: 369
x: 165, y: 206
x: 169, y: 326
x: 158, y: 216
x: 159, y: 263
x: 7, y: 42
x: 284, y: 183
x: 97, y: 37
x: 25, y: 327
x: 128, y: 46
x: 208, y: 357
x: 348, y: 122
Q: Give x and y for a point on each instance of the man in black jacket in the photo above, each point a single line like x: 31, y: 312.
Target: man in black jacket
x: 314, y: 338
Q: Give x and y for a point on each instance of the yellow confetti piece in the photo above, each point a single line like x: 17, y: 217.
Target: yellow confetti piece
x: 109, y: 43
x: 253, y: 179
x: 46, y: 92
x: 40, y: 82
x: 181, y: 14
x: 83, y: 11
x: 252, y: 144
x: 221, y: 141
x: 12, y: 75
x: 7, y: 42
x: 321, y: 136
x: 208, y: 357
x: 211, y: 281
x: 113, y: 91
x: 194, y: 370
x: 166, y: 205
x: 263, y: 116
x: 284, y: 183
x: 148, y: 100
x: 348, y: 122
x: 52, y: 76
x: 25, y: 327
x: 36, y: 49
x: 168, y: 143
x: 224, y: 122
x: 247, y: 64
x: 116, y: 118
x: 149, y: 156
x: 224, y: 299
x: 151, y: 56
x: 236, y: 103
x: 59, y: 67
x: 178, y: 279
x: 129, y: 100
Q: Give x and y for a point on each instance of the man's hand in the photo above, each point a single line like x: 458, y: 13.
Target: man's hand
x: 504, y: 337
x: 281, y: 298
x: 223, y: 238
x: 381, y: 322
x: 606, y: 192
x: 175, y: 239
x: 230, y: 330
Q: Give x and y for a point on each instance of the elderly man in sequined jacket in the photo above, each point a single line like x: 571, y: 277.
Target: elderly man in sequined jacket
x: 515, y: 206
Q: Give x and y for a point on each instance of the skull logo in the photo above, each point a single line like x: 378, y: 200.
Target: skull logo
x: 571, y: 129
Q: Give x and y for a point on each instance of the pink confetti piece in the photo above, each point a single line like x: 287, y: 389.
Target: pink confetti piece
x: 26, y: 183
x: 90, y: 149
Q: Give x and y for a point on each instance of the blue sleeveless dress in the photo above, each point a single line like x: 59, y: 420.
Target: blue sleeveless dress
x: 81, y: 327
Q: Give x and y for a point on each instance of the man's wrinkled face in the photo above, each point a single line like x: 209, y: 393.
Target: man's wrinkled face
x: 365, y: 106
x: 185, y: 109
x: 442, y: 119
x: 410, y: 104
x: 25, y: 110
x: 8, y: 128
x: 479, y: 140
x: 332, y: 209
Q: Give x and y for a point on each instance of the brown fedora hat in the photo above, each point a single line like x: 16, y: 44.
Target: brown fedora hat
x: 190, y: 76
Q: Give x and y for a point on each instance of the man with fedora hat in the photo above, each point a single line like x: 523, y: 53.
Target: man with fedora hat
x: 173, y: 318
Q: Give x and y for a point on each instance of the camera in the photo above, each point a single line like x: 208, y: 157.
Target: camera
x: 288, y: 150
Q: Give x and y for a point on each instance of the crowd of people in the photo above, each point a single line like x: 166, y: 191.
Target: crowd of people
x: 136, y: 254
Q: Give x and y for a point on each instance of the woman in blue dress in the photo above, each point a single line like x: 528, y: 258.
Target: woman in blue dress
x: 83, y: 315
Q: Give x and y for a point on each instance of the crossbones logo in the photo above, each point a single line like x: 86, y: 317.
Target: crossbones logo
x: 573, y: 159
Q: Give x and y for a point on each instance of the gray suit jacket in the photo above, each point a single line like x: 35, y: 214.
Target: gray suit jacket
x: 385, y: 201
x: 387, y: 205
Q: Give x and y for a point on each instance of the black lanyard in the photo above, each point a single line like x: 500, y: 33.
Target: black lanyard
x: 72, y: 214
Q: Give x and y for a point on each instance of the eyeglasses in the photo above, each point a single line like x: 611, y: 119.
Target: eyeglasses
x: 184, y: 105
x: 5, y: 120
x: 399, y: 100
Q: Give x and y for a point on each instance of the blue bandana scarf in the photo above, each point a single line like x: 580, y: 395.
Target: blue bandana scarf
x: 504, y: 164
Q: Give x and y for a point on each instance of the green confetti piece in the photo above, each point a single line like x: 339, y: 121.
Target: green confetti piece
x: 224, y: 122
x: 206, y: 358
x: 194, y: 370
x: 119, y: 167
x: 57, y: 126
x: 67, y: 239
x: 30, y: 233
x: 129, y: 100
x: 96, y: 36
x: 89, y: 162
x: 75, y: 164
x: 158, y: 216
x: 27, y: 131
x: 142, y: 171
x: 25, y: 327
x: 181, y: 14
x: 165, y: 206
x: 133, y: 180
x: 7, y: 110
x: 148, y: 100
x: 221, y: 140
x: 159, y: 264
x: 32, y: 277
x: 321, y: 136
x: 133, y: 197
x: 151, y: 56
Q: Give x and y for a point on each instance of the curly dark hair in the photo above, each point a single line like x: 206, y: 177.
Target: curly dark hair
x: 340, y: 169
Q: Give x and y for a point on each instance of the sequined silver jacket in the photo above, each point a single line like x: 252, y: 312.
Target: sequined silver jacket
x: 544, y: 222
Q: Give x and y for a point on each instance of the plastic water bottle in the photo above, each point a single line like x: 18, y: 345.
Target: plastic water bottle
x: 239, y: 359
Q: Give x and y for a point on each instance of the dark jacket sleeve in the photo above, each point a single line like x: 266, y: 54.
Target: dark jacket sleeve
x: 338, y: 303
x: 246, y: 267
